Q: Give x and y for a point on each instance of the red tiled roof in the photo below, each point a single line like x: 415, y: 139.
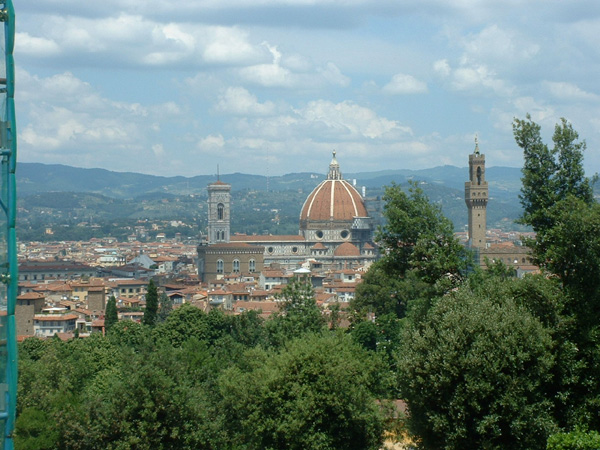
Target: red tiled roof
x: 347, y: 249
x: 266, y: 238
x: 45, y: 318
x: 30, y: 296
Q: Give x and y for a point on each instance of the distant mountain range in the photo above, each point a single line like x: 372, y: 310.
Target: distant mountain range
x: 65, y: 192
x: 35, y: 178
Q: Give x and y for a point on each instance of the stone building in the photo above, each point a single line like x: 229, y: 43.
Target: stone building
x: 335, y: 232
x: 476, y: 198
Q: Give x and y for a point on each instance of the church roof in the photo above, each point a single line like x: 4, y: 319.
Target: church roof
x: 333, y: 199
x: 266, y: 238
x: 347, y: 249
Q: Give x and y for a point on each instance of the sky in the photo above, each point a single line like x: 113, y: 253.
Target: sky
x: 270, y: 87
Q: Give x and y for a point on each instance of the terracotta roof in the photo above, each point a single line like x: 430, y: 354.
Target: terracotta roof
x: 266, y: 238
x: 231, y: 245
x: 333, y: 200
x: 44, y: 318
x: 319, y: 246
x: 30, y: 296
x: 347, y: 249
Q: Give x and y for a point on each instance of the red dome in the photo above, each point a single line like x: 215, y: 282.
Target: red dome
x: 333, y: 200
x: 347, y: 249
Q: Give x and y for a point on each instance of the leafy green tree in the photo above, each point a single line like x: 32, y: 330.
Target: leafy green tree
x: 422, y: 258
x: 188, y: 322
x: 151, y: 304
x: 575, y: 440
x: 558, y: 203
x: 32, y: 431
x: 299, y: 313
x: 383, y: 292
x: 110, y: 315
x: 549, y: 175
x: 315, y: 394
x: 476, y: 373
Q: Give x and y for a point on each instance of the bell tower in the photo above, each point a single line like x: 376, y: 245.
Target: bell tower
x: 476, y: 198
x: 219, y: 212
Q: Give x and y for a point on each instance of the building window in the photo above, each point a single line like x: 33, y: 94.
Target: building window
x: 220, y: 211
x: 236, y: 265
x: 294, y: 249
x: 345, y: 234
x: 319, y: 234
x: 220, y: 266
x: 252, y: 265
x: 270, y: 250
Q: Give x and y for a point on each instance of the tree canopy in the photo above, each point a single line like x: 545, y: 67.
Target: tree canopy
x: 475, y: 373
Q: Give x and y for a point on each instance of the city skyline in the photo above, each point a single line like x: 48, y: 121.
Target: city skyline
x: 272, y: 87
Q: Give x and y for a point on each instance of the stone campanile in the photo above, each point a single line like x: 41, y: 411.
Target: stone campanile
x: 219, y: 212
x: 476, y: 198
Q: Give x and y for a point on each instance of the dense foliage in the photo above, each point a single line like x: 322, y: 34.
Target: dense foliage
x: 202, y: 381
x: 476, y: 372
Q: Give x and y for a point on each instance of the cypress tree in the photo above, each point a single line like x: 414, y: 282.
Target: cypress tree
x: 110, y: 315
x: 151, y: 305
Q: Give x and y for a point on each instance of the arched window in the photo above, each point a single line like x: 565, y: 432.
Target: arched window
x: 236, y: 265
x: 479, y: 175
x: 252, y: 265
x: 219, y: 266
x: 220, y: 211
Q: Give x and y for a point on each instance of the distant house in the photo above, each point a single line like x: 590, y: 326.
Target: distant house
x: 28, y: 305
x: 46, y: 325
x: 126, y: 288
x: 37, y: 271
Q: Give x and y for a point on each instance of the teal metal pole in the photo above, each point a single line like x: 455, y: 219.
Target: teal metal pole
x: 11, y: 277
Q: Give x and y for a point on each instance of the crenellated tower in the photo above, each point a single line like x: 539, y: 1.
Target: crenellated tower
x: 476, y: 198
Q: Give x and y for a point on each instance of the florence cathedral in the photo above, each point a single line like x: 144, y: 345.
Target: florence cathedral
x: 335, y: 232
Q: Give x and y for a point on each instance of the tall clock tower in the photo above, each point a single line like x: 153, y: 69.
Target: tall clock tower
x: 219, y: 212
x: 476, y: 198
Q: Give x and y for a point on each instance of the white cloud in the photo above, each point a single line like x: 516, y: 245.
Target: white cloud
x: 158, y: 150
x: 136, y: 40
x: 298, y: 74
x: 442, y: 67
x: 228, y: 45
x: 405, y: 84
x: 569, y: 92
x: 64, y: 120
x: 35, y: 46
x: 476, y: 79
x: 269, y: 75
x: 351, y: 120
x: 238, y: 101
x: 332, y: 74
x: 211, y: 142
x: 498, y: 46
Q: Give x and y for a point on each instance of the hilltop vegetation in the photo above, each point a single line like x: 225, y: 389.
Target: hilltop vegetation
x: 78, y: 204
